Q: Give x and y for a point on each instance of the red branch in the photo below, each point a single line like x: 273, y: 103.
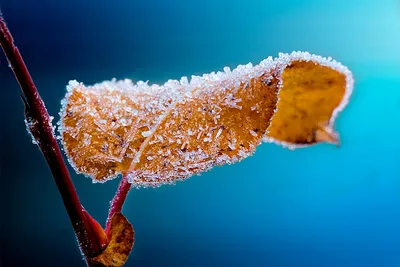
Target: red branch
x: 90, y: 237
x: 118, y: 200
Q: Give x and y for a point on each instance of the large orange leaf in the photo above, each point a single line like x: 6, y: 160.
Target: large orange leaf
x: 160, y: 134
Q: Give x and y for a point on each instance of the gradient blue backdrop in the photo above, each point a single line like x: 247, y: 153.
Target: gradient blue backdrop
x: 314, y: 207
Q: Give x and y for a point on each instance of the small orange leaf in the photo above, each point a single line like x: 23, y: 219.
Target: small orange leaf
x: 121, y: 238
x: 159, y: 134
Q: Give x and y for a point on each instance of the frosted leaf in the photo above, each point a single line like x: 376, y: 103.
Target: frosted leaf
x: 219, y: 132
x: 160, y: 134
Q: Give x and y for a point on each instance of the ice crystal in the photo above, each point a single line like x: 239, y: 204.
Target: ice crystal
x: 30, y: 124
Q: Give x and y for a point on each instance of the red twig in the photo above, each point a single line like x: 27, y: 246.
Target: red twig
x: 118, y: 201
x: 90, y: 237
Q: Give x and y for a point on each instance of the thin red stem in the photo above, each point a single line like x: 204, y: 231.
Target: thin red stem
x: 41, y: 129
x: 118, y: 201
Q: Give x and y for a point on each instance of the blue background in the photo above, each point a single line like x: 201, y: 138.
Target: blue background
x: 320, y: 206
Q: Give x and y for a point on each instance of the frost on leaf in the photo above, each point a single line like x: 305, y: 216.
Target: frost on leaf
x: 121, y: 238
x: 160, y: 134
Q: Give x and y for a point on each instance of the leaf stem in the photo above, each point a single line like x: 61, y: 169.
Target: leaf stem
x: 89, y: 236
x: 118, y: 201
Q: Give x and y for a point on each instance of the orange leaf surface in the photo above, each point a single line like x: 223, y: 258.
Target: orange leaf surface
x: 159, y: 134
x: 121, y: 238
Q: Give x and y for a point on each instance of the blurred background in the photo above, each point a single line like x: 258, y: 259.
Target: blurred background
x: 320, y: 206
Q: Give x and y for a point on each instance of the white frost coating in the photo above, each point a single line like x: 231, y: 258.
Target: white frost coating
x: 184, y: 90
x: 29, y: 125
x: 218, y: 133
x: 170, y: 90
x: 146, y: 133
x: 253, y: 133
x: 208, y: 84
x: 285, y: 60
x: 53, y: 127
